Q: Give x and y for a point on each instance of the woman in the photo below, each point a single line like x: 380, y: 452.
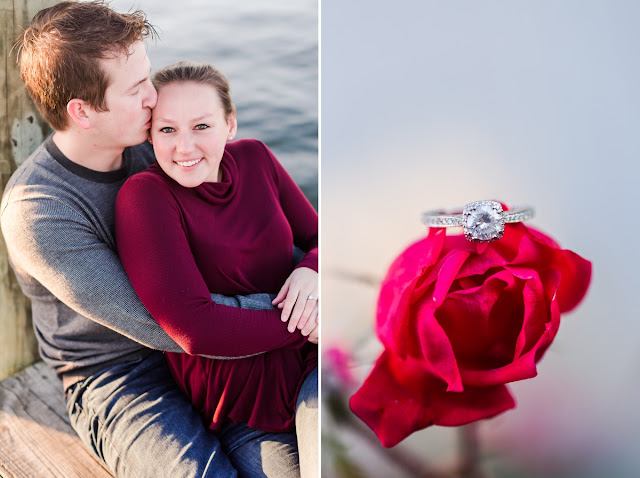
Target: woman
x: 217, y: 216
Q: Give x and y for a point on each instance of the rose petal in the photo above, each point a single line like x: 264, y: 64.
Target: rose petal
x: 509, y: 244
x: 540, y: 252
x: 393, y: 410
x: 395, y: 401
x: 540, y: 237
x: 395, y: 323
x: 435, y: 345
x: 444, y: 272
x: 415, y: 331
x: 475, y: 403
x: 576, y: 276
x: 447, y: 273
x: 480, y: 264
x: 522, y: 367
x: 480, y: 338
x: 536, y: 315
x: 436, y: 349
x: 402, y: 274
x: 551, y: 329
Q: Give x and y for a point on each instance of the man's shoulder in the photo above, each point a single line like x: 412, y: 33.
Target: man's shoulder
x: 37, y: 173
x: 151, y: 174
x: 31, y: 192
x: 141, y: 156
x: 152, y: 180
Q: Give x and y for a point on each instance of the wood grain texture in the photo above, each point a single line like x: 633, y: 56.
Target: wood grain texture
x: 36, y: 439
x: 21, y: 132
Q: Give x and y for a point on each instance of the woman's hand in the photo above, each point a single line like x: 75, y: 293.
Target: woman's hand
x: 313, y: 336
x: 298, y: 299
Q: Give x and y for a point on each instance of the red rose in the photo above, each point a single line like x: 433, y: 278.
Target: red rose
x: 458, y: 321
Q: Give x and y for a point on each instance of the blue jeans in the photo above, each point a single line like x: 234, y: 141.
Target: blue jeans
x: 307, y: 426
x: 139, y: 424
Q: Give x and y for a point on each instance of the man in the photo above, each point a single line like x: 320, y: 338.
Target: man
x: 86, y: 68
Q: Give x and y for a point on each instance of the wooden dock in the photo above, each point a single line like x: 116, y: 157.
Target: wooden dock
x: 36, y: 439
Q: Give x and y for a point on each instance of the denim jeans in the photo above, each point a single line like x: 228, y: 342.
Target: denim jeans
x: 307, y: 426
x: 137, y: 422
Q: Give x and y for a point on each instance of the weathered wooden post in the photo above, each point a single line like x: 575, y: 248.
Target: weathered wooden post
x: 21, y: 131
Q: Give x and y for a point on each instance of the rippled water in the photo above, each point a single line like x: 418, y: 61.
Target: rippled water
x: 269, y: 53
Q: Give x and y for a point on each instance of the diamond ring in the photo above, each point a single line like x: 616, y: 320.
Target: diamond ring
x: 311, y: 297
x: 482, y: 221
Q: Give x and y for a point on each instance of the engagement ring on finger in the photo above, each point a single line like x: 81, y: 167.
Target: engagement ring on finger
x: 311, y: 297
x: 482, y: 221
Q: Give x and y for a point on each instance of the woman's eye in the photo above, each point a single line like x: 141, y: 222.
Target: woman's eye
x: 167, y: 129
x: 202, y: 126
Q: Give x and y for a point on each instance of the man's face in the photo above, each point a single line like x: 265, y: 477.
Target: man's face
x: 130, y: 97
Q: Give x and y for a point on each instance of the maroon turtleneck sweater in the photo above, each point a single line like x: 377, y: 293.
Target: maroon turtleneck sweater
x: 179, y: 244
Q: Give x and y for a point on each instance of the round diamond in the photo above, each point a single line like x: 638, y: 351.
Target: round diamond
x: 483, y: 221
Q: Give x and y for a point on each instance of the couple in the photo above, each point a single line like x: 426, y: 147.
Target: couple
x: 204, y: 234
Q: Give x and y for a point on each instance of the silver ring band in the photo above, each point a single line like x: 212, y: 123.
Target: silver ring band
x: 311, y: 297
x: 483, y: 221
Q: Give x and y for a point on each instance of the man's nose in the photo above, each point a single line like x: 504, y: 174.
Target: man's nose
x: 151, y: 96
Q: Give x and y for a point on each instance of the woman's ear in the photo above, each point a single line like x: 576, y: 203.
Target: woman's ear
x: 78, y: 111
x: 233, y: 125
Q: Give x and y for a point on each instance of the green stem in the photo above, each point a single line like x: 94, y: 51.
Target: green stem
x: 470, y: 452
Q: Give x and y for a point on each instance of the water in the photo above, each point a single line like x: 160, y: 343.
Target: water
x: 269, y: 53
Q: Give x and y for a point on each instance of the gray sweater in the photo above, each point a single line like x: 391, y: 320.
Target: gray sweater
x: 58, y: 224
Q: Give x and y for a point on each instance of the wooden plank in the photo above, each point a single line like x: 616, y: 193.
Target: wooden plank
x: 21, y: 131
x: 36, y: 439
x: 44, y: 384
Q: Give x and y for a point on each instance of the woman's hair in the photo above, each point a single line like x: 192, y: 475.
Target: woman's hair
x: 199, y: 73
x: 59, y: 54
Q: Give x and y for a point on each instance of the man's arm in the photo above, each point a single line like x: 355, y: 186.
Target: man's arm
x: 59, y: 248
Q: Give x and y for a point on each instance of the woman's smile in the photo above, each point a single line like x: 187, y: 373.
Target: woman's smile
x: 189, y: 132
x: 188, y: 163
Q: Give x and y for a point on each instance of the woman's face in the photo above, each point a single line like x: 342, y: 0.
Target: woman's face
x: 189, y: 131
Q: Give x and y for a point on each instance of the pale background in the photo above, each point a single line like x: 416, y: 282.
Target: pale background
x: 434, y: 104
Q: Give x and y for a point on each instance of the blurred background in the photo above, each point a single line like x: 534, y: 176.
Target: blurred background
x: 269, y: 53
x: 436, y: 104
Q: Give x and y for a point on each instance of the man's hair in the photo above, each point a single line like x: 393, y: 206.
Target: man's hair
x: 59, y: 54
x: 198, y: 73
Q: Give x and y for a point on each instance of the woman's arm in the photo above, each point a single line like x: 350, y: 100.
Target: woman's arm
x: 155, y: 252
x: 298, y: 298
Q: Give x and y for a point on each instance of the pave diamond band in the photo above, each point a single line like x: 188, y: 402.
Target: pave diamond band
x: 482, y: 221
